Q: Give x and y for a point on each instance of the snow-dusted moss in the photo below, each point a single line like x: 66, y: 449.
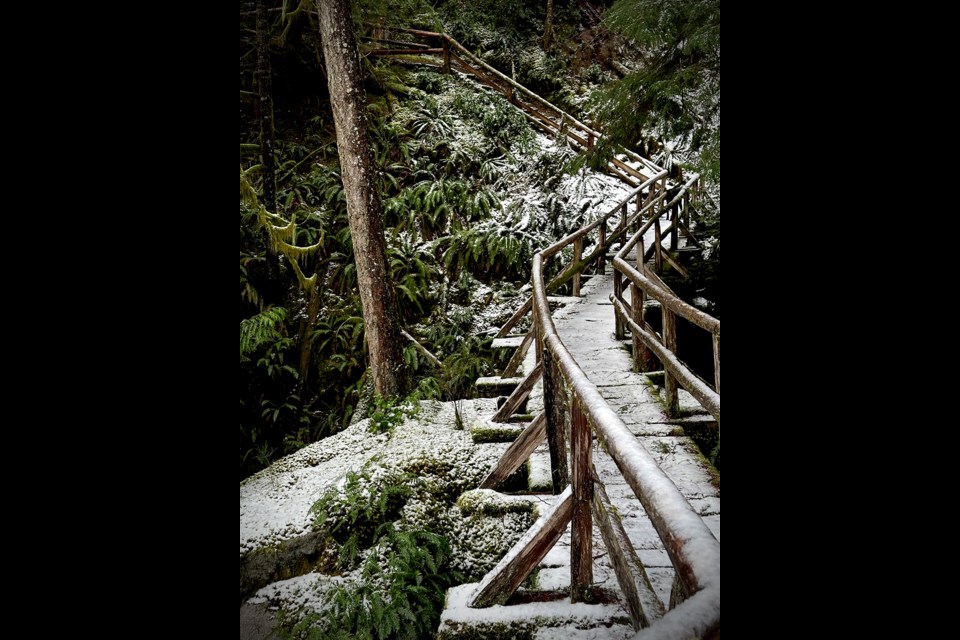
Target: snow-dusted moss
x: 494, y: 503
x: 486, y: 431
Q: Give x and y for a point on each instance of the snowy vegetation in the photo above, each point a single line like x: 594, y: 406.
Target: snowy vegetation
x: 470, y: 192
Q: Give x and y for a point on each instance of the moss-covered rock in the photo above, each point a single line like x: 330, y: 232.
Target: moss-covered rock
x: 484, y: 431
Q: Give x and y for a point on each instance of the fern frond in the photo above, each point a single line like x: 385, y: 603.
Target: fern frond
x: 261, y: 329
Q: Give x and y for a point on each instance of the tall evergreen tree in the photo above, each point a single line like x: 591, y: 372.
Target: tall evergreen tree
x: 548, y: 27
x: 264, y: 108
x: 364, y: 208
x: 675, y: 92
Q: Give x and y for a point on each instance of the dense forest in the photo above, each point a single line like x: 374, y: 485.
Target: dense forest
x: 389, y: 211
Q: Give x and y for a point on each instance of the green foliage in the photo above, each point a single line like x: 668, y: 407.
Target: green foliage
x: 430, y: 122
x: 429, y: 81
x: 353, y: 512
x: 495, y: 249
x: 413, y: 269
x: 265, y: 327
x: 399, y: 594
x: 501, y: 121
x: 676, y: 93
x: 469, y: 362
x: 387, y: 413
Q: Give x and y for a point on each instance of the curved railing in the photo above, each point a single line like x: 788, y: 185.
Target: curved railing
x: 692, y: 548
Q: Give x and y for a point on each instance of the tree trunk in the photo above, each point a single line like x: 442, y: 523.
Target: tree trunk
x: 548, y: 28
x: 364, y: 209
x: 307, y: 325
x: 264, y: 108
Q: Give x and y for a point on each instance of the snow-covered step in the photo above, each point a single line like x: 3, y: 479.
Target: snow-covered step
x: 509, y: 342
x: 486, y: 431
x: 540, y: 475
x: 562, y: 301
x: 556, y: 617
x: 495, y: 386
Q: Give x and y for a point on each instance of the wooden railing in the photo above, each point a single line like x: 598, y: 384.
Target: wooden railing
x: 646, y: 342
x: 692, y: 548
x: 542, y: 114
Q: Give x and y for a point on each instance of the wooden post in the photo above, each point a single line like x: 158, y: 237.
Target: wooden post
x: 554, y: 406
x: 577, y: 255
x: 663, y: 200
x: 537, y: 333
x: 510, y: 94
x: 716, y: 362
x: 446, y: 57
x: 670, y: 342
x: 601, y: 267
x: 589, y: 139
x: 642, y: 356
x: 581, y: 530
x: 674, y: 230
x: 657, y: 247
x: 617, y: 293
x: 622, y: 227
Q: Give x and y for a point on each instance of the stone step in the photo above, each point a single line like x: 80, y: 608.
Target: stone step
x: 493, y: 503
x: 533, y: 614
x: 509, y: 342
x: 563, y: 301
x: 540, y: 475
x: 494, y: 386
x: 486, y: 431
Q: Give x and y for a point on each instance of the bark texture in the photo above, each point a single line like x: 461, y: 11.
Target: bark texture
x: 364, y: 209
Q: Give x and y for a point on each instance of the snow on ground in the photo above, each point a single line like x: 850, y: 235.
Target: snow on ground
x: 275, y: 503
x: 439, y: 463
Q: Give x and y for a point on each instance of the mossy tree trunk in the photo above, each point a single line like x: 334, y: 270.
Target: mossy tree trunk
x: 364, y: 208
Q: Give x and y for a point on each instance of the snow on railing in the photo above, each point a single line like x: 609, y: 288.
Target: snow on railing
x: 692, y: 548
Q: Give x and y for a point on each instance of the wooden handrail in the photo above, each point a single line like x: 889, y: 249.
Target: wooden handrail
x: 560, y: 279
x: 691, y: 546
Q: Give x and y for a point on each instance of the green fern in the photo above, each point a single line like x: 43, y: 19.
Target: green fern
x: 399, y: 598
x: 263, y: 328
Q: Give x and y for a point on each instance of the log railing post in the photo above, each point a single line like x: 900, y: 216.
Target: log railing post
x: 554, y: 406
x: 657, y: 247
x: 581, y: 529
x: 601, y: 267
x: 446, y: 56
x: 670, y: 342
x: 639, y: 219
x: 642, y: 356
x: 537, y: 332
x: 618, y: 294
x: 716, y: 362
x: 675, y: 229
x: 577, y: 256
